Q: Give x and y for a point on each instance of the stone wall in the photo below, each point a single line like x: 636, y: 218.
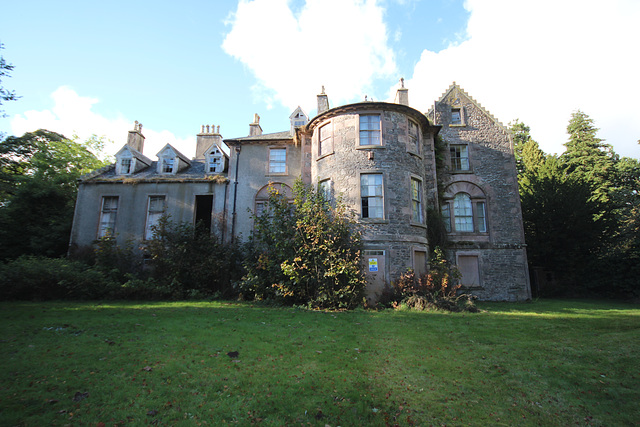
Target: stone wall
x: 502, y: 250
x: 395, y: 160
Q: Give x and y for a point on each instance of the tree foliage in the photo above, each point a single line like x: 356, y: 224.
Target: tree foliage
x: 5, y: 94
x: 580, y: 212
x: 305, y: 251
x: 38, y: 186
x: 190, y: 261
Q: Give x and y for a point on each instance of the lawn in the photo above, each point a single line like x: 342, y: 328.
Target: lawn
x: 541, y: 363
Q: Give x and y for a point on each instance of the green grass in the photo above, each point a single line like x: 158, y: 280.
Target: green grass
x: 543, y: 363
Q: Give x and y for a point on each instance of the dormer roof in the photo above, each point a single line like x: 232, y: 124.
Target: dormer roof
x: 134, y: 153
x: 175, y: 152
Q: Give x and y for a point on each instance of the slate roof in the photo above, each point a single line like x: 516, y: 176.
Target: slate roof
x: 276, y: 136
x: 195, y: 172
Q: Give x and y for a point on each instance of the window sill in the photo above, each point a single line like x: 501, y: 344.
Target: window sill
x: 459, y: 125
x: 461, y: 171
x: 418, y: 224
x: 374, y: 221
x: 415, y: 153
x: 369, y: 147
x: 277, y: 174
x: 325, y: 155
x: 468, y: 235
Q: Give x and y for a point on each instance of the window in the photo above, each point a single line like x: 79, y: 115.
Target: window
x: 481, y: 217
x: 167, y: 165
x: 416, y: 200
x: 326, y: 140
x: 371, y: 195
x: 261, y: 202
x: 278, y: 160
x: 324, y: 187
x: 469, y: 269
x: 414, y: 137
x: 419, y: 262
x: 468, y: 215
x: 456, y: 116
x: 155, y: 212
x: 463, y: 212
x: 126, y: 163
x: 260, y: 208
x: 214, y: 163
x: 370, y: 129
x: 108, y: 216
x: 459, y: 157
x: 446, y: 217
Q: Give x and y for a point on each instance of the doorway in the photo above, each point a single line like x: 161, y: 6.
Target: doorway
x: 204, y: 211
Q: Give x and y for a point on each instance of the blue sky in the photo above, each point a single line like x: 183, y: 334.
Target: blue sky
x: 95, y: 67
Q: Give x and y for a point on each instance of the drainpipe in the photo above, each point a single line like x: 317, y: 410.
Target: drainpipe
x: 224, y: 212
x: 235, y: 196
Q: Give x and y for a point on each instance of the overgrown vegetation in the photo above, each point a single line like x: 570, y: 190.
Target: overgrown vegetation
x: 180, y: 262
x: 38, y: 186
x: 547, y: 363
x: 305, y: 251
x: 436, y: 290
x: 192, y: 262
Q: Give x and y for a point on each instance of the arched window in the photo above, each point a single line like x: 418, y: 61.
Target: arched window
x: 262, y: 196
x: 464, y: 208
x: 463, y: 212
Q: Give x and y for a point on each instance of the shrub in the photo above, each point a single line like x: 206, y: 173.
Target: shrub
x: 118, y: 262
x: 41, y: 278
x: 189, y: 262
x: 436, y: 289
x: 305, y: 253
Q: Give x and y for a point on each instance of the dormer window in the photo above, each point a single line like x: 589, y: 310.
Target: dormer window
x: 125, y: 163
x: 125, y: 166
x: 167, y: 165
x: 171, y: 161
x: 214, y: 161
x: 298, y: 119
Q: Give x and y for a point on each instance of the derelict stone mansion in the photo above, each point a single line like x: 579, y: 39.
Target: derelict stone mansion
x: 379, y: 156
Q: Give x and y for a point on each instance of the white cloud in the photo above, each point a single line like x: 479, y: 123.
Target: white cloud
x: 72, y: 114
x: 341, y: 44
x: 541, y: 60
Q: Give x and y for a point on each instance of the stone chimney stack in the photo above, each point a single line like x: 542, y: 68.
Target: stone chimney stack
x: 402, y: 95
x: 254, y: 128
x: 135, y: 139
x: 208, y: 136
x: 323, y: 102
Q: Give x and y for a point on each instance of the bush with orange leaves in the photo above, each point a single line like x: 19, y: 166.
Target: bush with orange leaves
x: 439, y: 288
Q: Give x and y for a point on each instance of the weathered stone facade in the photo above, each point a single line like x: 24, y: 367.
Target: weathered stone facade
x: 379, y: 157
x: 491, y: 179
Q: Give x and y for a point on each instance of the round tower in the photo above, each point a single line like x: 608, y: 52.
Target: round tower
x: 378, y: 158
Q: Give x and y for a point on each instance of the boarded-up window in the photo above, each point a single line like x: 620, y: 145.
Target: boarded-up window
x: 419, y: 263
x: 468, y: 266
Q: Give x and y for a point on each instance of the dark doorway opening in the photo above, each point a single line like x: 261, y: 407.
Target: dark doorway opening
x: 204, y: 210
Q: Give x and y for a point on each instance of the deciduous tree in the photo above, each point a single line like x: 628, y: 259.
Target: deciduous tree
x: 38, y: 185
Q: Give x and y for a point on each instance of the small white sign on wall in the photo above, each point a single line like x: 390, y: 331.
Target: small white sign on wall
x: 373, y: 264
